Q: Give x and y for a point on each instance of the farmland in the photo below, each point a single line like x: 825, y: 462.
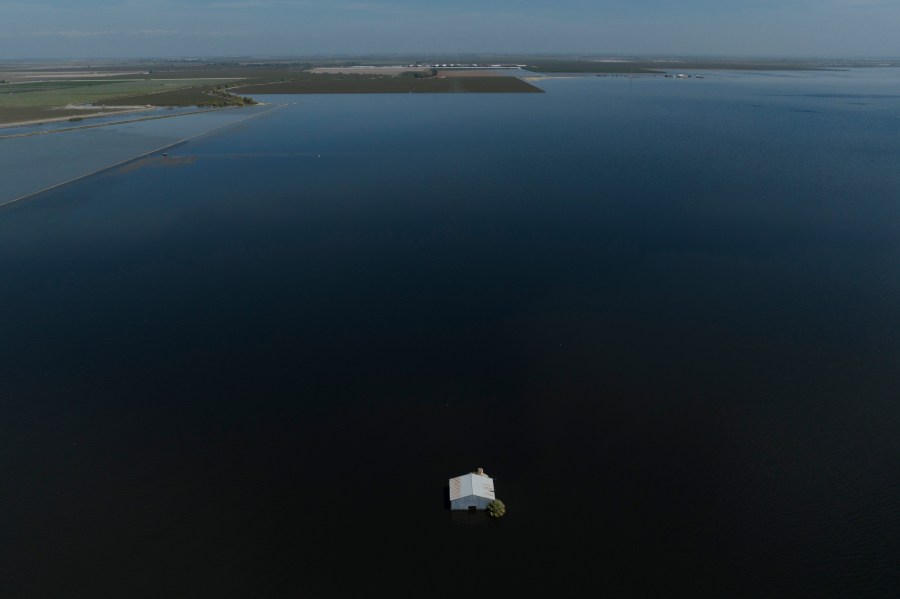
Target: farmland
x: 62, y: 98
x: 46, y: 91
x: 199, y: 95
x: 34, y: 93
x: 357, y: 84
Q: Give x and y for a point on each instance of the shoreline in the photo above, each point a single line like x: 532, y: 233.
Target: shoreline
x: 94, y: 125
x: 67, y: 118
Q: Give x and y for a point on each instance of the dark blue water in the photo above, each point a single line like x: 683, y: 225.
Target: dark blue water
x: 662, y: 314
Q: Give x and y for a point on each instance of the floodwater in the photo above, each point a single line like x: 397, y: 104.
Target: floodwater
x: 663, y: 314
x: 32, y: 162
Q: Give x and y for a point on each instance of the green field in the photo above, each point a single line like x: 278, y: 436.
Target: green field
x: 80, y: 92
x: 12, y: 116
x: 49, y: 99
x: 48, y: 86
x: 203, y: 95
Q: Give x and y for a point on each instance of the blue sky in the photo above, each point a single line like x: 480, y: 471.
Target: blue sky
x: 136, y: 28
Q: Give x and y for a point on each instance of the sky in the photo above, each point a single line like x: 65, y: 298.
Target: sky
x: 207, y: 28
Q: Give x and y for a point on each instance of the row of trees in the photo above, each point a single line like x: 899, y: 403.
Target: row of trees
x: 420, y: 74
x: 224, y: 98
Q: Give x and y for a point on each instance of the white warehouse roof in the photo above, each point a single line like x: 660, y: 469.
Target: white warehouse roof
x: 474, y: 483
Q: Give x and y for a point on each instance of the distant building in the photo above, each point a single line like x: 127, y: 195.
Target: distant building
x: 473, y: 491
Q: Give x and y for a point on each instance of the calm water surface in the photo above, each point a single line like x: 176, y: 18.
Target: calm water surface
x: 33, y: 160
x: 662, y: 314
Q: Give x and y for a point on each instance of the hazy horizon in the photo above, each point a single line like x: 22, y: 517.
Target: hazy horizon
x: 52, y: 29
x: 446, y: 56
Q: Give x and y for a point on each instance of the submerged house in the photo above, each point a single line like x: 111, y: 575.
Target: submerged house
x: 473, y: 491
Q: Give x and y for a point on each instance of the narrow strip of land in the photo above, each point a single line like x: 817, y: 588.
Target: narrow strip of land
x: 4, y: 204
x: 107, y: 124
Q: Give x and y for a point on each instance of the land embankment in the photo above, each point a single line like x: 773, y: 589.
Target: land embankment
x: 59, y: 98
x: 92, y: 149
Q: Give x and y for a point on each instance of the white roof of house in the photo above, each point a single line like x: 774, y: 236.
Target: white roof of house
x: 481, y: 485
